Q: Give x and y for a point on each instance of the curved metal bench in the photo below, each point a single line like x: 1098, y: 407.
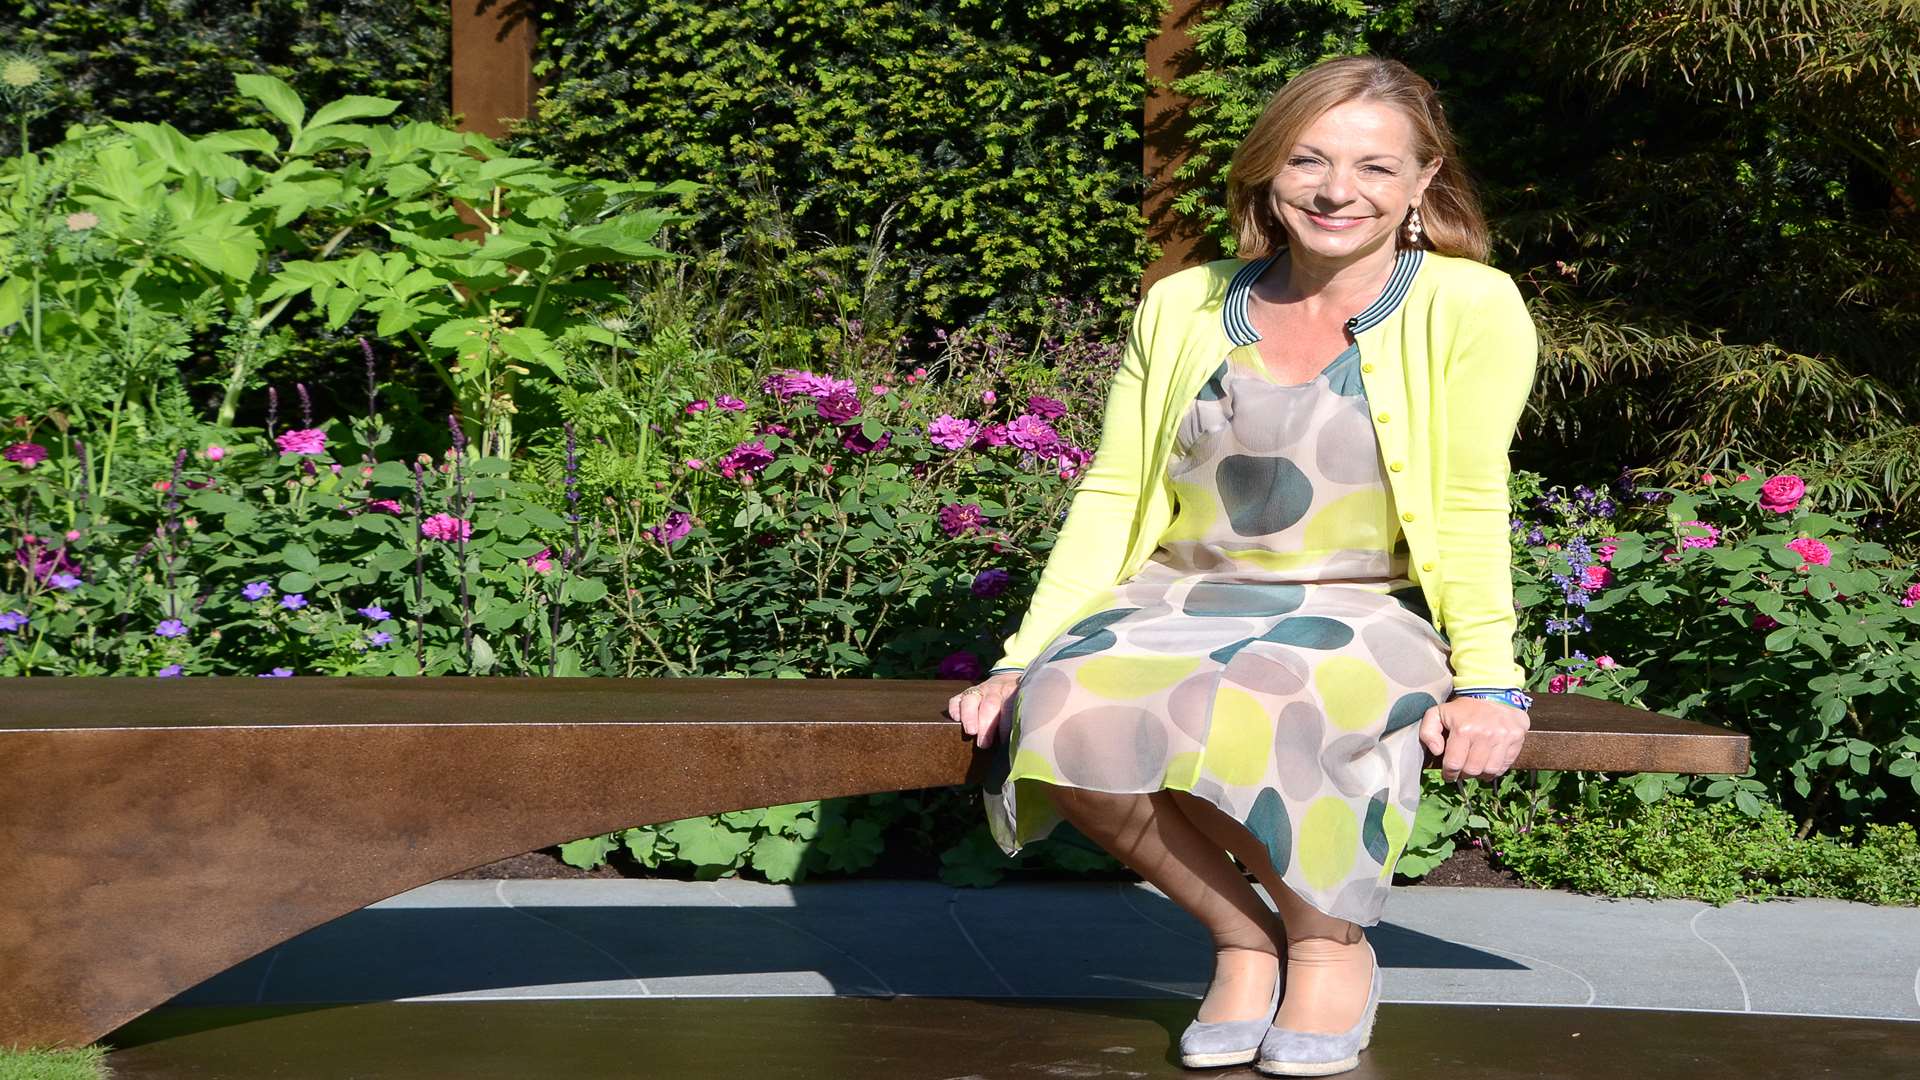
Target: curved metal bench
x: 158, y: 831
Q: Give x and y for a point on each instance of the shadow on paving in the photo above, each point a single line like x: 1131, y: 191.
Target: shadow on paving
x: 916, y: 1038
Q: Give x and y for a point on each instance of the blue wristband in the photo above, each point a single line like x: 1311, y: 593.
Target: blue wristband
x: 1519, y: 699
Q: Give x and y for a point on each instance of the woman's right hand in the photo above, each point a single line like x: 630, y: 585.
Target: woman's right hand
x: 978, y: 707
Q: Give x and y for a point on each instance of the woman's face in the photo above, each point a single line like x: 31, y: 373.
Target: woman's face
x: 1346, y: 184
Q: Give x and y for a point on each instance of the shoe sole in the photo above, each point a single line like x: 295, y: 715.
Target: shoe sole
x: 1226, y: 1057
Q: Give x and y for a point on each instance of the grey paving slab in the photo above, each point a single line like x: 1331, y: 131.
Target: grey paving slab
x: 474, y: 940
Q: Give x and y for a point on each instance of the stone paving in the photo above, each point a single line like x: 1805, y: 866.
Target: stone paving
x: 630, y: 938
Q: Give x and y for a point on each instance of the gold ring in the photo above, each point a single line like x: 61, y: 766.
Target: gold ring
x: 969, y: 690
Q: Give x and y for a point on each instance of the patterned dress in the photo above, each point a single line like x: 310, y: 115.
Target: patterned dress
x: 1271, y: 657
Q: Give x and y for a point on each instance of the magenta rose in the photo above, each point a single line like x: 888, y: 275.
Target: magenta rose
x: 1782, y: 493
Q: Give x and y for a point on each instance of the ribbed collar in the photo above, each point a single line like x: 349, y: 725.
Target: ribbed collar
x: 1240, y: 330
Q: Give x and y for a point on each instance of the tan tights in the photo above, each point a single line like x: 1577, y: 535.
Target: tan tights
x: 1178, y: 842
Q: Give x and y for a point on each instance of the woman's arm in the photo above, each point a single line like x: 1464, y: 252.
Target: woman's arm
x: 1092, y: 543
x: 1487, y: 377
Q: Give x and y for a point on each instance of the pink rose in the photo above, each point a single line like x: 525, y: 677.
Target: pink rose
x: 215, y: 453
x: 541, y: 561
x: 1911, y: 597
x: 1764, y: 622
x: 1560, y: 684
x: 1782, y: 493
x: 1605, y: 663
x: 1698, y: 534
x: 302, y: 441
x: 446, y: 527
x: 1811, y: 550
x: 1595, y: 578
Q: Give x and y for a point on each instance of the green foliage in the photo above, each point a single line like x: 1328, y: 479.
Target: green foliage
x: 995, y: 148
x: 1744, y: 603
x: 173, y: 62
x: 124, y: 243
x: 1620, y: 846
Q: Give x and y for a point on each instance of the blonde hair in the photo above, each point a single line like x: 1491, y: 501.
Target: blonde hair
x: 1450, y: 216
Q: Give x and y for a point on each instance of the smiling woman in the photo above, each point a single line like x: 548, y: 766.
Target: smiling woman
x: 1286, y: 571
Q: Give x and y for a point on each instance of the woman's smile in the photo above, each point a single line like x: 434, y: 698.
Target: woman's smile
x: 1332, y: 224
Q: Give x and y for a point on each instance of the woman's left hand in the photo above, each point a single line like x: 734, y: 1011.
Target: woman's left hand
x: 1474, y: 736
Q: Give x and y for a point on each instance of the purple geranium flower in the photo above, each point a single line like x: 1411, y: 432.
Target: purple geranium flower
x: 1029, y: 432
x: 12, y: 620
x: 293, y: 601
x: 64, y: 581
x: 958, y: 519
x: 258, y: 590
x: 673, y: 529
x: 375, y: 612
x: 961, y: 665
x: 171, y: 628
x: 25, y: 454
x: 991, y: 582
x: 276, y: 673
x: 839, y: 407
x: 951, y: 432
x: 170, y: 671
x: 1046, y: 408
x: 379, y: 637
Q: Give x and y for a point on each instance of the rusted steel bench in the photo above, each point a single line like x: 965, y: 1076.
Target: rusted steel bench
x: 155, y: 832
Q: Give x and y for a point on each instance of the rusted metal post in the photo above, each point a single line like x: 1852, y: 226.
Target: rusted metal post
x: 1165, y: 133
x: 493, y: 42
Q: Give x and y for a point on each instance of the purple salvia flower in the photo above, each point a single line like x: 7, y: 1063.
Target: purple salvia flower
x: 273, y: 410
x: 373, y: 385
x: 306, y: 405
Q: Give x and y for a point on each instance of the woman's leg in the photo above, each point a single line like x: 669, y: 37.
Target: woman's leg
x: 1329, y: 972
x: 1151, y: 836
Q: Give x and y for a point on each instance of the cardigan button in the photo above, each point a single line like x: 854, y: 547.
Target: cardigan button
x: 1367, y: 368
x: 1382, y: 417
x: 1397, y: 466
x: 1406, y: 515
x: 1427, y: 566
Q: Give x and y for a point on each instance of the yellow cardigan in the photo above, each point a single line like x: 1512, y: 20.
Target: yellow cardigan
x: 1447, y: 353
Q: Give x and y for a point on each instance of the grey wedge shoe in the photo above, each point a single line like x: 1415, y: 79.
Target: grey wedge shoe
x: 1286, y: 1052
x: 1230, y: 1042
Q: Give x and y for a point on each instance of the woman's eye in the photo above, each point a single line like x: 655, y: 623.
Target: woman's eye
x: 1299, y: 161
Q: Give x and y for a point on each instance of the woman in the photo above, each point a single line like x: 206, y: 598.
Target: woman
x: 1237, y: 644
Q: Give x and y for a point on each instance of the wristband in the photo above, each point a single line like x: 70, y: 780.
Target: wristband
x: 1517, y: 698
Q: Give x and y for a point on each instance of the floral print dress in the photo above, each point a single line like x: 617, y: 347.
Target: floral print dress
x: 1271, y: 657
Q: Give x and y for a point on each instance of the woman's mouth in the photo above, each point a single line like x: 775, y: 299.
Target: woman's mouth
x: 1333, y: 224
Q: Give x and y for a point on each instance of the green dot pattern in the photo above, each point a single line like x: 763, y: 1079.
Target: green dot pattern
x: 1266, y: 658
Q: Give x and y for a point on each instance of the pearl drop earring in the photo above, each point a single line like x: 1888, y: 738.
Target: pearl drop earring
x: 1413, y: 226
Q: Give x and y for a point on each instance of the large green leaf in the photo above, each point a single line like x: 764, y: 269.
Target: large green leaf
x: 277, y: 96
x: 352, y: 107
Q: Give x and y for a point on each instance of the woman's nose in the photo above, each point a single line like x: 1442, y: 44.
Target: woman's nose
x: 1336, y: 186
